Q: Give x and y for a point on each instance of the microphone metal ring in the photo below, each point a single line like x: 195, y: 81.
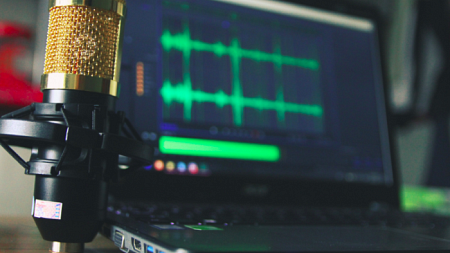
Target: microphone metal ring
x: 63, y: 81
x: 118, y: 6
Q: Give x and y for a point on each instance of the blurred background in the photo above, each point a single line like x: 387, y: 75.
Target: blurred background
x: 417, y: 59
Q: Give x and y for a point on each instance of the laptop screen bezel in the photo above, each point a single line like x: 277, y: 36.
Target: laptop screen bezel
x: 245, y: 189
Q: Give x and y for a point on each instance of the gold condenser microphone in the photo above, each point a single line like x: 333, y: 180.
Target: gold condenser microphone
x: 84, y: 44
x: 74, y: 134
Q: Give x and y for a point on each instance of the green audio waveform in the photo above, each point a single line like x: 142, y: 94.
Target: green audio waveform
x: 184, y: 93
x: 183, y: 42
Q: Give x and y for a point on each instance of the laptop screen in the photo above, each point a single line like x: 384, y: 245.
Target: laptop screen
x: 255, y: 88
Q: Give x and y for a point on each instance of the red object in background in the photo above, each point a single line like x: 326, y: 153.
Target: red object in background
x: 12, y: 30
x: 16, y: 92
x: 15, y: 89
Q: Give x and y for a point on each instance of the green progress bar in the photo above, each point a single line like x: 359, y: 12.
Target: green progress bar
x: 183, y: 42
x: 218, y: 149
x: 416, y: 198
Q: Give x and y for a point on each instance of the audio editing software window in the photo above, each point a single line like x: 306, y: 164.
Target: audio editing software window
x: 254, y: 87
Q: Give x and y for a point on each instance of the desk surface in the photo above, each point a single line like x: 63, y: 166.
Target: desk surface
x: 20, y: 234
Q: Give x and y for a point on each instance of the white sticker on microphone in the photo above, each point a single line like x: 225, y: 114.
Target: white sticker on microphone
x: 47, y: 209
x: 32, y: 207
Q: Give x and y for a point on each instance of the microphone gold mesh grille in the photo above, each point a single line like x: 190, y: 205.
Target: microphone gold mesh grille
x: 82, y: 40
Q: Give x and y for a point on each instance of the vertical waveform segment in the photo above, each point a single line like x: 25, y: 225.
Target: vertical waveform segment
x: 140, y: 79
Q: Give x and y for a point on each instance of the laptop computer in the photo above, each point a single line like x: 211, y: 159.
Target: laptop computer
x: 269, y: 118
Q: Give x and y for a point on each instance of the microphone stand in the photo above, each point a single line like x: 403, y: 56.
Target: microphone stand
x: 75, y: 149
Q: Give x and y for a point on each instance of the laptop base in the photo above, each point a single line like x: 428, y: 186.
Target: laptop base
x: 173, y: 238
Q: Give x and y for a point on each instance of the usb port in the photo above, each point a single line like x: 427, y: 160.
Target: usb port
x: 136, y: 244
x: 119, y: 239
x: 149, y: 249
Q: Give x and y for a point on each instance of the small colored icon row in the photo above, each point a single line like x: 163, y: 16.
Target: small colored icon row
x: 172, y: 167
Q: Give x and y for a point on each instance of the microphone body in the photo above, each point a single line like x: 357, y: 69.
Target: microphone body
x: 80, y: 182
x: 74, y: 133
x: 81, y: 73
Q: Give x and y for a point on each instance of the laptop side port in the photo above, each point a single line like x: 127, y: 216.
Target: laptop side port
x: 136, y: 244
x: 149, y: 249
x: 119, y: 240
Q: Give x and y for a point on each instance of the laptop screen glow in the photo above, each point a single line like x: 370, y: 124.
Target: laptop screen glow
x: 256, y: 88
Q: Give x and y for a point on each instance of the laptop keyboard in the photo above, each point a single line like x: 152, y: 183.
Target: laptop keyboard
x: 257, y: 215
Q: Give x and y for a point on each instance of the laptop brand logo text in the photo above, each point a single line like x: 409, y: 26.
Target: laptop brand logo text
x: 252, y: 190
